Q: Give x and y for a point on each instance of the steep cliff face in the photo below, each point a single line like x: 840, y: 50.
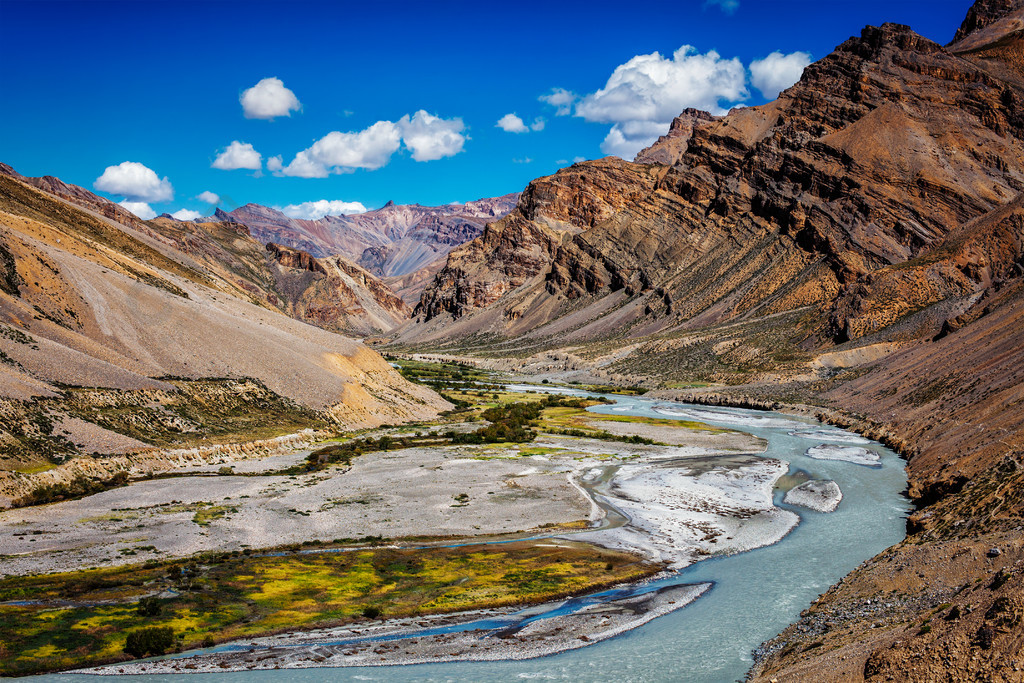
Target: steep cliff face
x: 340, y: 298
x: 880, y: 150
x: 985, y: 15
x: 333, y: 293
x: 670, y: 147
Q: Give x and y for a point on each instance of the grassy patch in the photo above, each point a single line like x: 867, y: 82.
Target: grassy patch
x: 231, y: 596
x: 660, y: 421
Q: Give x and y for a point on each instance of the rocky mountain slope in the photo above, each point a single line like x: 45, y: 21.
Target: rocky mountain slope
x: 855, y: 247
x: 400, y: 243
x: 869, y: 161
x: 112, y: 339
x: 334, y: 294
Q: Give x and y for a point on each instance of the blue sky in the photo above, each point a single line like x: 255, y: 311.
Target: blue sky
x: 91, y: 85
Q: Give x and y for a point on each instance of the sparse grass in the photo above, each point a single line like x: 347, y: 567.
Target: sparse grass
x: 231, y: 596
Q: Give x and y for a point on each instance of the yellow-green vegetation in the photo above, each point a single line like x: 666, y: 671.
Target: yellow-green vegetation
x: 579, y: 418
x: 661, y: 421
x: 206, y: 513
x: 85, y: 618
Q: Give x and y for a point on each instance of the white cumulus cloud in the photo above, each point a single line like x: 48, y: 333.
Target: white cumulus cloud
x: 238, y: 155
x: 643, y: 95
x: 510, y: 123
x: 337, y: 152
x: 561, y: 99
x: 430, y: 137
x: 140, y: 209
x: 629, y: 137
x: 777, y: 71
x: 321, y: 208
x: 427, y: 137
x: 208, y: 197
x: 186, y: 215
x: 268, y: 99
x: 135, y: 182
x: 275, y: 164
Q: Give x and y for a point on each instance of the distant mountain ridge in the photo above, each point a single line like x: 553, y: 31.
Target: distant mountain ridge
x: 395, y: 241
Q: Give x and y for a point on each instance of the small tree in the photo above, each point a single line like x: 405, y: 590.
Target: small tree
x: 149, y: 606
x: 152, y: 640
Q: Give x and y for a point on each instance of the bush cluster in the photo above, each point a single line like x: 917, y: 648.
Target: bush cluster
x: 152, y: 640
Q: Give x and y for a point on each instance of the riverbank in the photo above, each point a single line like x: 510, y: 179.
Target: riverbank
x: 433, y: 639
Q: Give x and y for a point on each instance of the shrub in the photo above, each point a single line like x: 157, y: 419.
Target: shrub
x: 152, y: 640
x: 149, y: 607
x: 371, y: 612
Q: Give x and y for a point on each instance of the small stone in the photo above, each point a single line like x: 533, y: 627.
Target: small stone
x: 994, y: 552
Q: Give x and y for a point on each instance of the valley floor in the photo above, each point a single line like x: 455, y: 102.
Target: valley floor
x: 689, y: 491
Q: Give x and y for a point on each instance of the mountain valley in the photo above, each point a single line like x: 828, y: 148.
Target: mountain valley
x: 411, y: 392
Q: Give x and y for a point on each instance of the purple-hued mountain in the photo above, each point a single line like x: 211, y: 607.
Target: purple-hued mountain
x: 404, y: 244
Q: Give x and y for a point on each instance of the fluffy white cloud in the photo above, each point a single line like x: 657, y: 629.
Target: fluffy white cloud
x: 727, y: 6
x: 275, y: 164
x: 321, y: 208
x: 238, y: 155
x: 135, y: 182
x: 369, y: 149
x: 268, y: 99
x: 186, y: 215
x: 140, y: 209
x: 561, y: 99
x: 510, y: 123
x: 427, y: 137
x: 629, y: 137
x: 777, y: 71
x: 643, y: 95
x: 208, y: 197
x: 430, y: 137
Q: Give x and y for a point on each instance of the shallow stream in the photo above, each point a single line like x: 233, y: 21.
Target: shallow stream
x: 755, y: 594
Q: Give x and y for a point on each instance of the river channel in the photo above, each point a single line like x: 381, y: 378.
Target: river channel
x: 754, y: 594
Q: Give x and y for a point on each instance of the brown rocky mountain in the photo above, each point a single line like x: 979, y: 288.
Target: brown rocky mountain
x: 671, y: 146
x: 854, y: 250
x: 397, y: 242
x: 332, y: 293
x: 336, y: 294
x: 112, y: 339
x: 869, y: 161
